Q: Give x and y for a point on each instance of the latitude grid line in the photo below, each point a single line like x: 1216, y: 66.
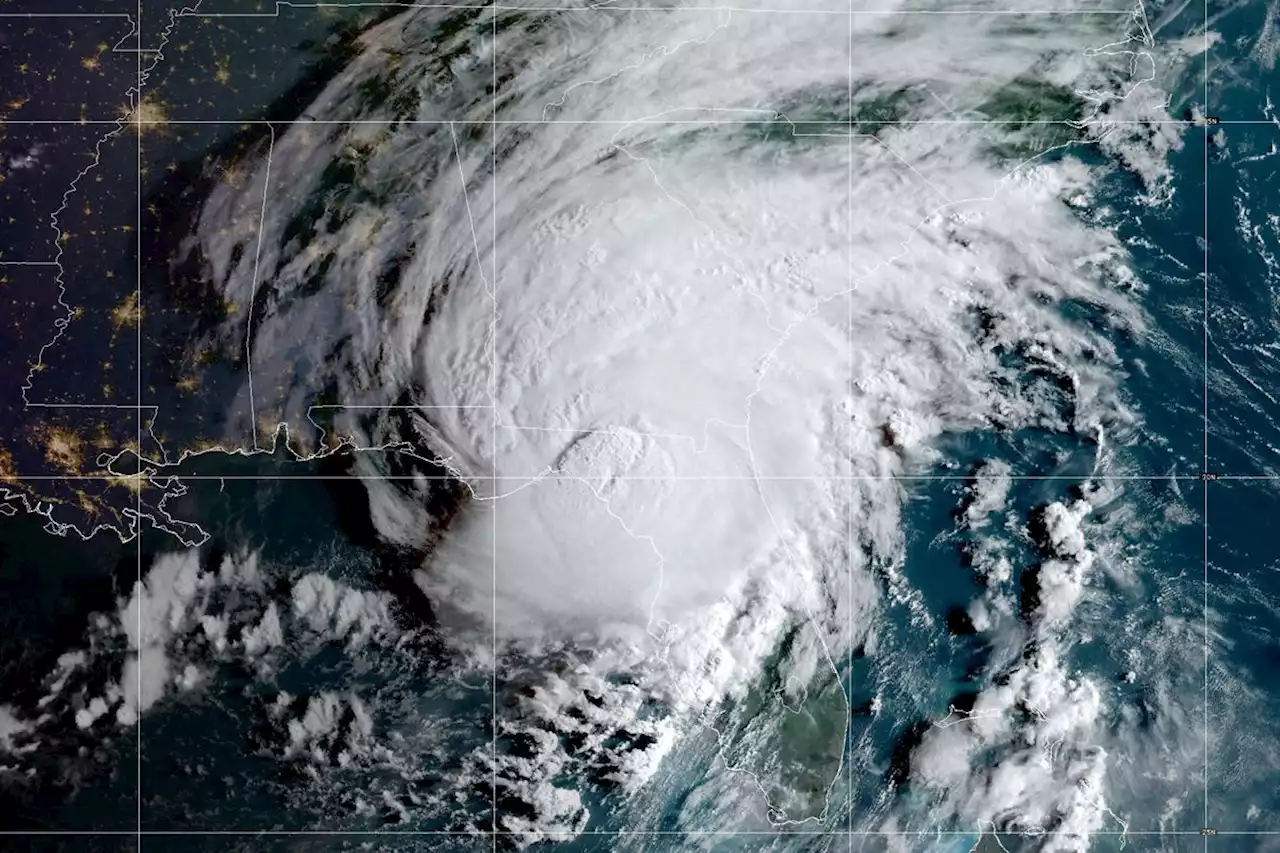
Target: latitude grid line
x: 140, y: 832
x: 711, y: 478
x: 778, y: 117
x: 603, y: 833
x: 498, y: 7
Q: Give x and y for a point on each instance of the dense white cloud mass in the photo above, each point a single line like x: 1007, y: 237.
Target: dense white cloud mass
x: 677, y: 297
x: 675, y: 326
x: 687, y: 309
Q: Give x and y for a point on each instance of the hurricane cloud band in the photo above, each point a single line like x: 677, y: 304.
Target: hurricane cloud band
x: 780, y: 253
x: 675, y: 302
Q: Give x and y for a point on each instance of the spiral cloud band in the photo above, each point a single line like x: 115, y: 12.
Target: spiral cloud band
x: 661, y: 303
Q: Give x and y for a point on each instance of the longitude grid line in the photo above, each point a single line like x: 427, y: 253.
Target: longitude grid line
x: 848, y: 745
x: 137, y: 131
x: 1205, y: 438
x: 493, y: 403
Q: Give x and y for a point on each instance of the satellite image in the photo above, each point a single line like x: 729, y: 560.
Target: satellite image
x: 640, y: 425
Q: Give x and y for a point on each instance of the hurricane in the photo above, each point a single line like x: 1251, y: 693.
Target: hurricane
x: 751, y: 426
